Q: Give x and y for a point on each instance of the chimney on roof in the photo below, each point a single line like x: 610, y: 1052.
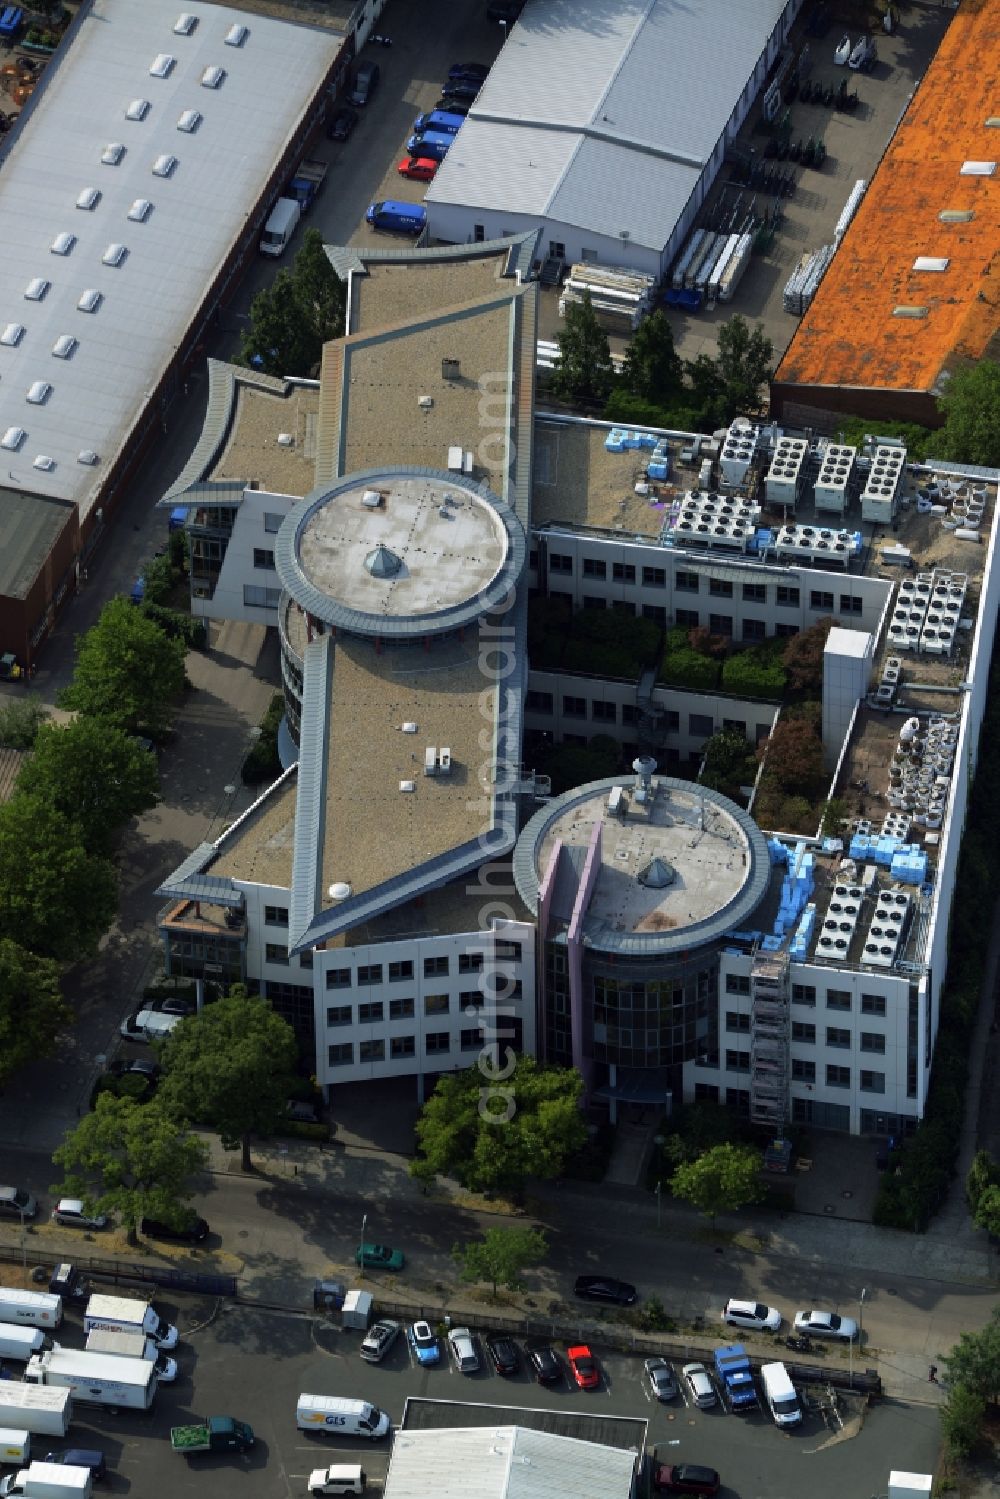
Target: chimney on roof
x: 451, y: 369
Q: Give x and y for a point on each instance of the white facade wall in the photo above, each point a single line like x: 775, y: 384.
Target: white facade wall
x: 248, y: 567
x: 459, y: 224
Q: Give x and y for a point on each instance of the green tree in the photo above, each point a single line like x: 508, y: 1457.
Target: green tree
x: 55, y: 898
x: 20, y: 720
x: 584, y: 373
x: 962, y: 1421
x: 971, y: 409
x: 653, y: 369
x: 744, y: 364
x: 729, y: 762
x: 293, y: 318
x: 319, y: 291
x: 974, y: 1362
x: 231, y: 1068
x: 95, y: 775
x: 500, y: 1256
x: 32, y: 1008
x: 793, y: 756
x: 802, y: 658
x: 987, y: 1213
x: 128, y: 672
x: 707, y: 398
x: 724, y: 1179
x: 130, y: 1159
x: 983, y: 1173
x: 494, y: 1128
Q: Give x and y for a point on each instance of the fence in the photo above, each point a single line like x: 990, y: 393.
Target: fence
x: 131, y: 1272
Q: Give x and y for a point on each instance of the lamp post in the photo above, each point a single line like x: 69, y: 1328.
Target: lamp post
x: 361, y: 1267
x: 861, y: 1315
x: 659, y: 1184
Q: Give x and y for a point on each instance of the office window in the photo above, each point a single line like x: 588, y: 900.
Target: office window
x: 850, y: 604
x: 338, y: 1014
x: 255, y: 597
x: 737, y: 1061
x: 341, y: 1055
x: 472, y: 999
x: 818, y: 599
x: 656, y: 612
x: 700, y: 725
x: 604, y: 712
x: 372, y: 974
x: 275, y: 915
x: 738, y: 1099
x: 688, y: 619
x: 737, y: 983
x: 472, y: 1039
x: 737, y: 725
x: 402, y: 1046
x: 802, y: 1071
x: 402, y: 970
x: 623, y: 572
x: 558, y: 563
x: 785, y: 632
x: 709, y: 1091
x: 436, y: 1004
x: 788, y: 598
x: 755, y: 593
x: 838, y: 1077
x: 435, y: 967
x: 629, y: 716
x: 673, y: 719
x: 838, y: 999
x: 873, y: 1004
x: 574, y: 707
x: 275, y: 953
x: 507, y: 951
x: 594, y: 569
x: 437, y: 1042
x: 803, y: 994
x: 470, y: 962
x: 539, y: 702
x: 594, y: 601
x: 263, y: 558
x: 533, y: 559
x: 371, y: 1051
x: 720, y: 588
x: 737, y: 1022
x: 401, y: 1009
x: 837, y: 1036
x: 872, y: 1041
x: 721, y: 624
x: 306, y: 958
x: 686, y: 582
x: 873, y: 1082
x: 272, y: 522
x: 803, y: 1031
x: 654, y: 577
x: 369, y: 1014
x: 754, y: 629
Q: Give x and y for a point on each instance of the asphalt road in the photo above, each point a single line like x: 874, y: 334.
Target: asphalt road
x: 254, y: 1364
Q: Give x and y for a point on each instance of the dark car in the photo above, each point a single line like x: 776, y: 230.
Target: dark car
x: 503, y: 1353
x: 340, y: 125
x: 545, y: 1363
x: 67, y: 1282
x: 451, y: 107
x: 365, y: 83
x: 195, y: 1232
x: 301, y: 1111
x: 686, y: 1478
x: 604, y: 1288
x: 136, y: 1067
x: 81, y: 1457
x: 477, y: 71
x: 462, y: 89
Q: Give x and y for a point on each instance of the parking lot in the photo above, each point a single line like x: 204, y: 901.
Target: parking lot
x: 252, y: 1364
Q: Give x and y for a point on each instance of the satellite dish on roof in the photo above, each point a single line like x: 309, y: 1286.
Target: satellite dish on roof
x: 339, y: 890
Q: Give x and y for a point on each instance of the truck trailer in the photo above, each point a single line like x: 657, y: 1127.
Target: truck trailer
x: 125, y: 1314
x: 132, y: 1345
x: 733, y: 1368
x: 48, y: 1481
x: 96, y: 1378
x: 30, y: 1308
x: 44, y: 1413
x: 20, y: 1343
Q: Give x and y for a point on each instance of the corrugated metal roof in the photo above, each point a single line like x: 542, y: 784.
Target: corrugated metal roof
x: 593, y: 109
x: 505, y: 1462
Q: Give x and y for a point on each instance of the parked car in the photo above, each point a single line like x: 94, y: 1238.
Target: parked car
x: 81, y: 1457
x: 826, y: 1325
x: 417, y: 168
x: 378, y: 1340
x: 365, y: 83
x: 452, y: 106
x: 463, y: 1350
x: 477, y: 71
x: 301, y: 1111
x: 195, y: 1231
x: 423, y: 1340
x: 460, y: 88
x: 686, y: 1478
x: 583, y: 1367
x: 605, y: 1288
x: 544, y: 1362
x: 15, y: 1202
x: 68, y: 1212
x: 341, y: 123
x: 503, y: 1353
x: 171, y: 1004
x: 700, y: 1386
x: 379, y: 1257
x: 661, y: 1379
x: 751, y: 1314
x: 136, y: 1067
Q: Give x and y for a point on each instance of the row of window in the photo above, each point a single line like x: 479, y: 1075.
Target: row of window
x: 434, y: 967
x: 802, y: 1031
x: 700, y: 725
x: 404, y: 1009
x: 805, y: 1072
x: 805, y: 994
x: 436, y: 1044
x: 688, y: 582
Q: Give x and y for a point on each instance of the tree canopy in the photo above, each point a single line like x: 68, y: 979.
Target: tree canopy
x: 130, y: 1159
x: 653, y: 370
x: 492, y: 1137
x: 128, y: 672
x: 500, y: 1256
x: 724, y: 1179
x: 301, y: 310
x: 55, y: 898
x: 231, y: 1068
x: 971, y: 408
x: 743, y: 363
x: 584, y: 373
x: 95, y: 775
x: 974, y: 1362
x: 32, y: 1008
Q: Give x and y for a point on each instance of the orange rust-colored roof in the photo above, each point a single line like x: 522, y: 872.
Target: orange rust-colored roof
x: 849, y: 336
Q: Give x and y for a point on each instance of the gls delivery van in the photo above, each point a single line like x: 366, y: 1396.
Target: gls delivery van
x: 779, y: 1392
x: 334, y: 1416
x: 397, y: 218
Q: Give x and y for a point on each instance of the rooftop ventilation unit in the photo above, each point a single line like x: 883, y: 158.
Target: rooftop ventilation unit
x: 189, y: 121
x: 89, y: 198
x: 12, y: 335
x: 114, y: 254
x: 161, y: 66
x: 87, y: 456
x: 339, y: 890
x: 236, y: 36
x: 112, y: 153
x: 45, y: 463
x: 910, y: 311
x: 185, y: 24
x: 90, y: 300
x: 138, y: 109
x: 213, y: 77
x: 164, y: 165
x: 840, y: 922
x: 13, y: 438
x: 38, y: 393
x: 62, y: 244
x: 371, y: 499
x: 931, y: 263
x: 286, y: 440
x: 407, y: 785
x: 140, y: 210
x: 978, y: 169
x: 451, y: 369
x: 409, y: 727
x: 64, y: 346
x: 36, y: 289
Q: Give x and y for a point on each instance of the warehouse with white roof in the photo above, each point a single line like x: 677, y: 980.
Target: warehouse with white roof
x: 605, y: 125
x: 131, y: 190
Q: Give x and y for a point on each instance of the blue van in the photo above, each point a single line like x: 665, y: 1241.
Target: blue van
x: 397, y: 218
x: 431, y: 144
x: 440, y: 121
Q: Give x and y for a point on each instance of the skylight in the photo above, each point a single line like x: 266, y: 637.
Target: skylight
x: 38, y: 393
x: 213, y: 77
x: 62, y: 244
x: 12, y: 335
x: 140, y: 210
x: 161, y: 66
x: 164, y: 165
x: 64, y: 346
x: 90, y: 300
x: 89, y: 198
x: 185, y: 23
x: 138, y: 109
x: 13, y: 438
x: 189, y: 121
x: 36, y: 289
x: 112, y: 153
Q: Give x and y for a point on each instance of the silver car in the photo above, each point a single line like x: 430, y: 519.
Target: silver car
x: 462, y: 1347
x: 69, y: 1212
x: 661, y: 1379
x: 700, y: 1387
x: 379, y: 1339
x: 826, y: 1325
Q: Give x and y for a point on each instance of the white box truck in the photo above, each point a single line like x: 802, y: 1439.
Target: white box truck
x: 30, y: 1308
x: 124, y: 1314
x: 132, y: 1345
x: 15, y: 1446
x: 280, y: 226
x: 96, y: 1378
x: 21, y: 1342
x: 49, y: 1481
x: 45, y: 1413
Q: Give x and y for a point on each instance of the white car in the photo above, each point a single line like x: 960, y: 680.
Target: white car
x: 700, y: 1387
x: 826, y: 1325
x: 463, y: 1350
x: 69, y: 1212
x: 753, y: 1315
x: 166, y: 1370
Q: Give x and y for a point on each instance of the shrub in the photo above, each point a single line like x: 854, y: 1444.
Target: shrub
x: 20, y: 720
x: 298, y: 1129
x: 176, y: 624
x: 263, y: 762
x: 757, y: 672
x: 683, y: 666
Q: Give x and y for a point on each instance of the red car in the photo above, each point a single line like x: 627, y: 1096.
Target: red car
x: 419, y: 167
x: 687, y: 1478
x: 583, y: 1367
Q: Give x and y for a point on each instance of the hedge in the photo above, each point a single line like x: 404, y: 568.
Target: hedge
x: 298, y: 1129
x: 682, y: 666
x: 756, y: 672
